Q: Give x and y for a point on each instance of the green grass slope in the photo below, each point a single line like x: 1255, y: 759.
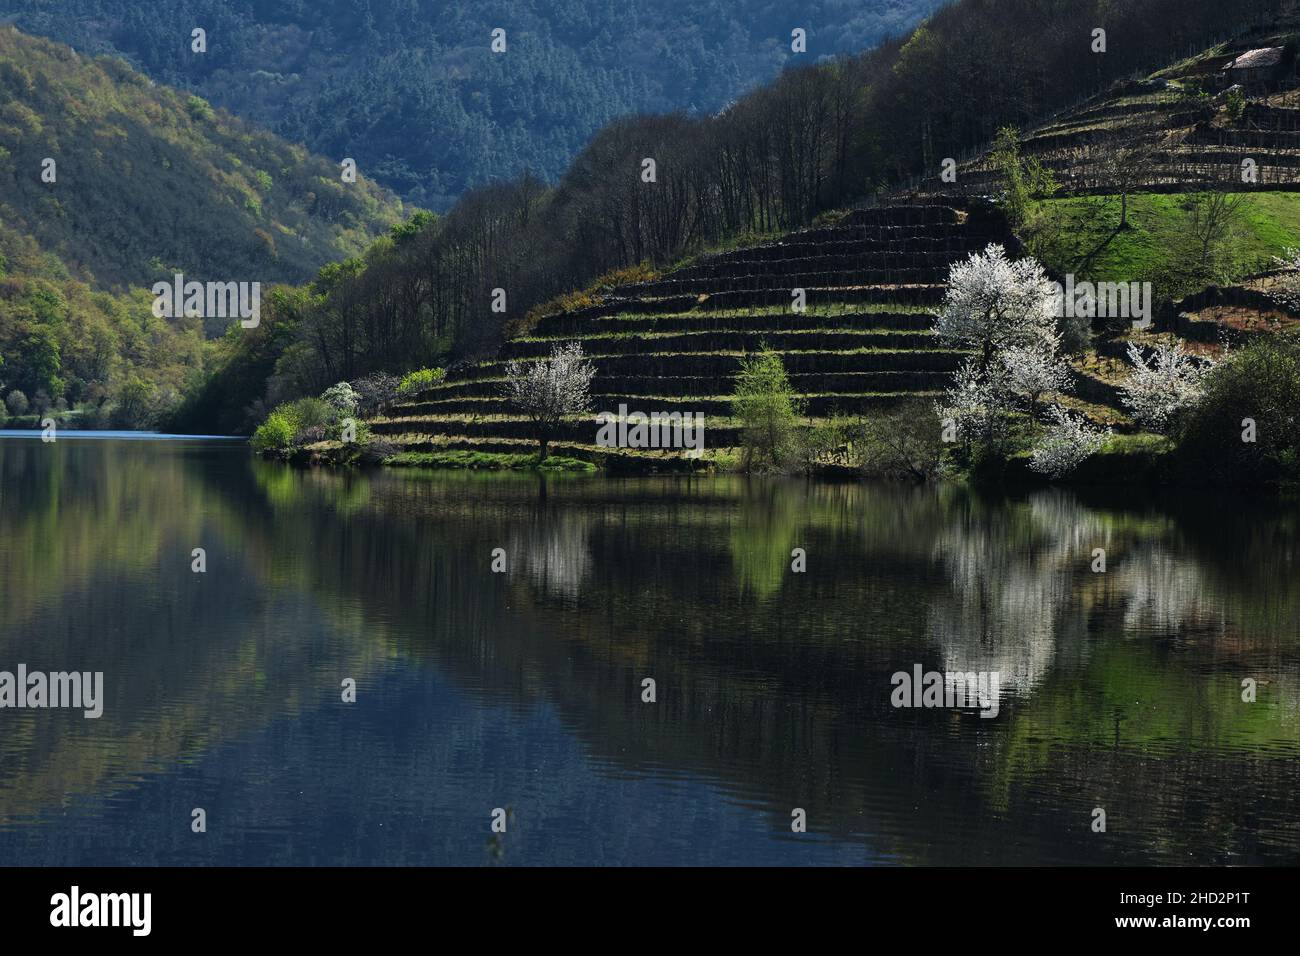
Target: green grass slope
x: 1081, y: 235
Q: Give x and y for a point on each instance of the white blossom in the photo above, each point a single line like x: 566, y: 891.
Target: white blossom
x: 1160, y: 387
x: 1068, y: 441
x: 1033, y: 371
x: 342, y: 398
x: 993, y: 303
x: 546, y: 390
x: 1289, y: 260
x: 976, y: 403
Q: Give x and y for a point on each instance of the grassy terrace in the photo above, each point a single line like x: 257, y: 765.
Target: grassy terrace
x: 470, y: 460
x: 674, y: 344
x: 856, y: 350
x: 1187, y: 138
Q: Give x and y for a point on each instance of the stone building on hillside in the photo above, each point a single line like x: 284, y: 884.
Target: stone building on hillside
x: 1261, y: 69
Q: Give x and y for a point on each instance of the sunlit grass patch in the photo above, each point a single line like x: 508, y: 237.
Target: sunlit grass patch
x: 1081, y: 235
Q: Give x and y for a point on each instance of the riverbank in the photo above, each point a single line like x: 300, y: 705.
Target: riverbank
x: 1133, y: 461
x: 334, y: 453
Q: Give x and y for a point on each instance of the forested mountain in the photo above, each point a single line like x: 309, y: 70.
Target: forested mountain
x: 109, y: 183
x: 413, y: 91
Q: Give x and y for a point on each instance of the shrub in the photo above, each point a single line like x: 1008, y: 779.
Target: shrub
x: 276, y: 433
x: 1235, y: 103
x: 414, y: 382
x: 1161, y: 389
x: 902, y: 443
x: 1067, y: 442
x: 305, y: 419
x: 826, y: 444
x: 17, y: 402
x: 374, y: 391
x: 1259, y: 382
x: 311, y: 411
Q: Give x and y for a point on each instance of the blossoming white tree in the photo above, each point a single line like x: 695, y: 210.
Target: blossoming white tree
x: 976, y: 405
x: 1033, y: 371
x: 994, y: 303
x: 1159, y: 387
x: 1007, y: 313
x: 1067, y: 442
x: 547, y: 390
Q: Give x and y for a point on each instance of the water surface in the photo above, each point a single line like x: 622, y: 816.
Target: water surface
x: 523, y: 690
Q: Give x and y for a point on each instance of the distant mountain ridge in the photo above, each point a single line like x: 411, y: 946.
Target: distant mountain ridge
x: 412, y: 89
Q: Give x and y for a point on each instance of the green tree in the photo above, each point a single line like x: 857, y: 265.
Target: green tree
x: 764, y: 404
x: 1023, y: 180
x: 200, y: 109
x: 38, y: 360
x: 135, y: 402
x: 1246, y: 427
x: 1235, y: 103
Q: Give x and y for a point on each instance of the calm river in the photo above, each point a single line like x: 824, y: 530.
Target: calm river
x: 1119, y: 690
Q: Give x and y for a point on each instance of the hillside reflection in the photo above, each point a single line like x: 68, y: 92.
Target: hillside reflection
x: 1120, y: 689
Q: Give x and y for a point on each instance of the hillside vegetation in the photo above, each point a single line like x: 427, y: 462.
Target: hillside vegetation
x: 1081, y: 235
x: 150, y: 181
x: 412, y: 90
x: 146, y: 182
x: 1137, y: 168
x: 863, y: 363
x: 863, y: 346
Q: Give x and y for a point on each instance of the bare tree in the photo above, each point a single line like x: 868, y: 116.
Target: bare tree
x: 1124, y: 169
x: 1215, y: 217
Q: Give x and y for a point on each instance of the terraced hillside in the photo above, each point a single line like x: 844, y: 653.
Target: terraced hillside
x: 674, y: 344
x: 1179, y: 129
